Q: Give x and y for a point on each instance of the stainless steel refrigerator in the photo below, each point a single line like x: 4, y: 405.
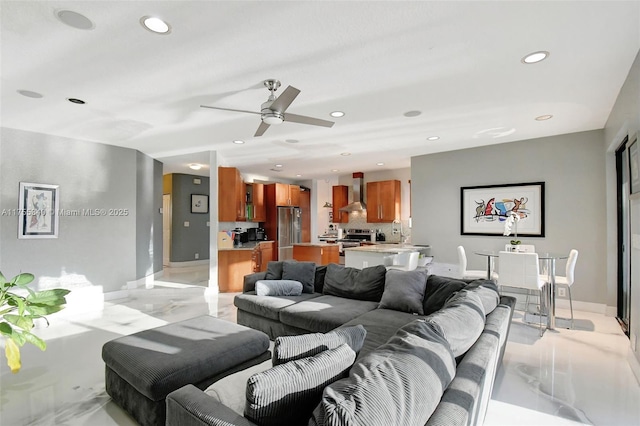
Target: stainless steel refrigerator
x: 289, y: 231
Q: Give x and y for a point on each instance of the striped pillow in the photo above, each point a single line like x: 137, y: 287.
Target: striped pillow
x: 287, y: 394
x: 289, y: 348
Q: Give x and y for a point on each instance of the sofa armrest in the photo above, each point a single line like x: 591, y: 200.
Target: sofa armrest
x: 249, y: 283
x: 189, y: 406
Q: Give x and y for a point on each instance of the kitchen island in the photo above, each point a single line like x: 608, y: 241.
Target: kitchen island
x: 321, y: 253
x: 378, y: 254
x: 234, y: 263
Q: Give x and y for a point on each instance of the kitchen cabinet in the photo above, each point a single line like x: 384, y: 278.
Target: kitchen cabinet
x: 256, y: 209
x: 340, y: 199
x: 305, y: 209
x: 266, y: 251
x: 320, y: 254
x: 285, y: 194
x: 383, y: 201
x: 234, y: 264
x: 231, y: 195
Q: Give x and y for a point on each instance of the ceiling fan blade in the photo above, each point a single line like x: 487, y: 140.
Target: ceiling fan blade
x: 261, y: 129
x: 285, y: 99
x: 303, y: 119
x: 230, y: 109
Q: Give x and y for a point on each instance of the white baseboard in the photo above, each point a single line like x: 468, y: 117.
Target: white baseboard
x: 115, y: 295
x: 598, y: 308
x: 146, y: 282
x: 189, y: 263
x: 634, y: 363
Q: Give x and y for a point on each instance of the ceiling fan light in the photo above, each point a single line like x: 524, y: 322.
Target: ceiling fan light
x: 272, y: 118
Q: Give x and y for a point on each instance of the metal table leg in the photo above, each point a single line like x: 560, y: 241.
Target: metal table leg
x: 551, y: 314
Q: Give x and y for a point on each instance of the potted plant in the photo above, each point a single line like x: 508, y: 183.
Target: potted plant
x: 512, y: 221
x: 18, y: 312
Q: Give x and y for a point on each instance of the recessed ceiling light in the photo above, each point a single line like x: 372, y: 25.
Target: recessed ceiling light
x: 238, y: 142
x: 335, y: 170
x: 544, y: 117
x: 345, y: 154
x: 29, y: 94
x: 433, y: 138
x: 535, y: 57
x: 278, y: 165
x: 298, y: 175
x: 74, y: 19
x: 292, y: 140
x: 155, y: 25
x: 76, y: 101
x: 379, y: 164
x: 412, y: 113
x: 195, y: 166
x: 337, y: 114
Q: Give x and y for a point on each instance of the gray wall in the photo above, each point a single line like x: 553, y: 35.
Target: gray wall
x: 187, y: 241
x: 99, y: 249
x: 149, y: 223
x: 572, y: 167
x: 624, y: 120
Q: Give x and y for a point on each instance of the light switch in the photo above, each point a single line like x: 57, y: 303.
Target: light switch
x: 208, y: 223
x: 186, y: 224
x: 197, y: 181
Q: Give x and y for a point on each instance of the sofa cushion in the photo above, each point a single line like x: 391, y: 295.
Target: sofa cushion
x: 268, y: 307
x: 278, y: 288
x: 352, y: 283
x: 321, y: 272
x: 400, y: 383
x: 290, y: 348
x: 287, y: 394
x: 305, y: 272
x: 461, y: 319
x: 404, y: 291
x: 438, y: 290
x: 488, y: 292
x: 274, y: 270
x: 324, y: 313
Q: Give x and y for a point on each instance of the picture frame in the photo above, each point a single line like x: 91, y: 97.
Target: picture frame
x: 634, y: 167
x: 38, y: 210
x: 484, y: 209
x: 199, y: 203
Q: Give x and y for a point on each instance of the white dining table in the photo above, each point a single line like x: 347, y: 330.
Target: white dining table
x: 549, y: 260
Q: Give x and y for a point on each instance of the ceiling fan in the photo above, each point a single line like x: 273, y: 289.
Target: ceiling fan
x: 273, y: 111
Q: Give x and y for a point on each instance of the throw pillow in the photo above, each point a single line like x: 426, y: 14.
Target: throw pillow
x: 461, y: 320
x: 438, y: 290
x: 290, y: 348
x: 274, y: 270
x: 287, y: 394
x: 400, y: 383
x: 352, y: 283
x: 305, y: 272
x: 321, y: 271
x: 404, y: 291
x: 488, y: 292
x: 278, y: 288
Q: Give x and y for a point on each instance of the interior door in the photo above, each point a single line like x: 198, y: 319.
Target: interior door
x: 624, y: 240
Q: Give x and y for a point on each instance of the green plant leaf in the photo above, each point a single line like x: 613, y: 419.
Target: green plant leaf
x: 24, y: 322
x: 49, y: 297
x: 35, y: 340
x: 18, y: 337
x: 23, y: 279
x: 12, y: 352
x: 6, y: 329
x: 41, y: 310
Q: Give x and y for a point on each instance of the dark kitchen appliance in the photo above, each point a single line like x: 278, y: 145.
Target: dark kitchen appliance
x: 240, y: 237
x: 354, y: 237
x: 256, y: 234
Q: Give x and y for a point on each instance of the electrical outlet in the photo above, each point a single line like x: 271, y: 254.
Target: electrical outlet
x: 197, y: 255
x: 562, y: 292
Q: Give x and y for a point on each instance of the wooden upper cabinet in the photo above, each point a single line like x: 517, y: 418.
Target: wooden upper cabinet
x: 287, y: 195
x: 256, y: 210
x: 231, y: 195
x: 340, y: 199
x: 383, y: 201
x: 305, y: 209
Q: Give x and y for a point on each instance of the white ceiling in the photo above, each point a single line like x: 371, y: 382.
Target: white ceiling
x: 456, y: 62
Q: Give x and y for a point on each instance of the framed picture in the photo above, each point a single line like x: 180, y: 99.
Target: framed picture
x: 484, y: 209
x: 199, y: 203
x: 38, y: 210
x: 634, y: 167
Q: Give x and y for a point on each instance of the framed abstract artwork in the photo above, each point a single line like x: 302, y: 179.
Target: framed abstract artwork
x: 199, y: 203
x: 484, y: 209
x: 38, y: 211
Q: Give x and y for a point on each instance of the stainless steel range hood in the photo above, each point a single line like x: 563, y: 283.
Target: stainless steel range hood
x: 358, y: 204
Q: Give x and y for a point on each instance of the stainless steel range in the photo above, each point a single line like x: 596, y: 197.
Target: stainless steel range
x: 354, y: 237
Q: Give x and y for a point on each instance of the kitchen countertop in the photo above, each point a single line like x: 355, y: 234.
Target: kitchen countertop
x: 246, y: 246
x: 387, y: 248
x: 316, y: 244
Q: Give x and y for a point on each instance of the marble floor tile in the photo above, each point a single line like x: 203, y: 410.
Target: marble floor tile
x: 578, y: 376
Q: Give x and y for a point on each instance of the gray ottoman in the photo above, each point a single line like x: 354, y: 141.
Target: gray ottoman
x: 141, y: 369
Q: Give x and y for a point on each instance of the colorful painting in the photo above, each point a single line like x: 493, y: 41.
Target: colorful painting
x: 38, y: 211
x: 484, y: 209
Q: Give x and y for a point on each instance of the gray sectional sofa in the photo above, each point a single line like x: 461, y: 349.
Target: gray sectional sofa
x: 429, y: 355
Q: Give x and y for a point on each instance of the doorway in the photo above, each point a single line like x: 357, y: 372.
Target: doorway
x: 624, y: 236
x: 166, y: 229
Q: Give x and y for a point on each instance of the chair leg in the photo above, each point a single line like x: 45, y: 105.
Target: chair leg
x: 570, y: 305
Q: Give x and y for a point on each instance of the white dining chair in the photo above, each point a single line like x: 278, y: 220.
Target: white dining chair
x: 522, y: 270
x: 569, y: 277
x: 521, y: 248
x: 467, y: 274
x: 406, y: 261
